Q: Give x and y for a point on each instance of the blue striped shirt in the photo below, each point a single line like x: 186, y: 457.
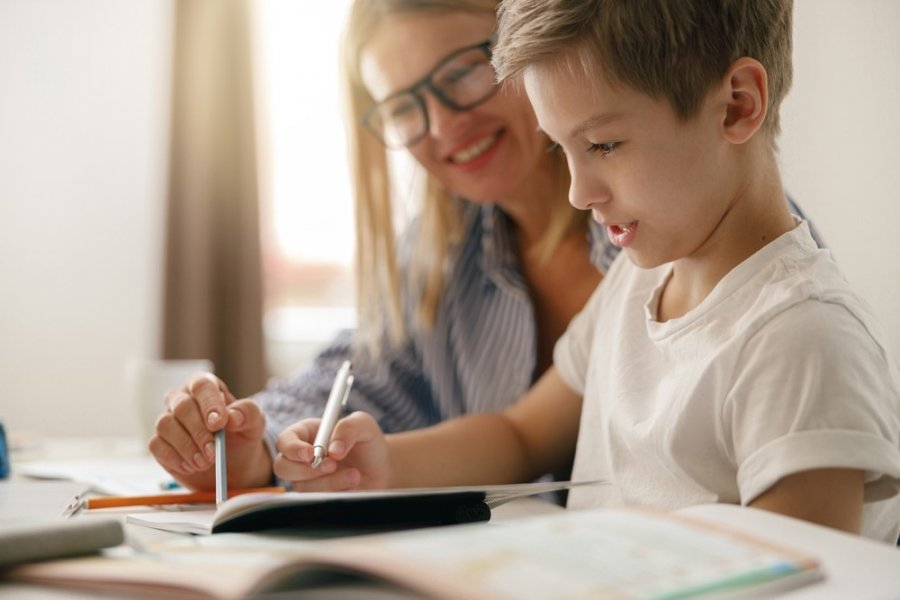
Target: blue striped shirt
x: 480, y: 355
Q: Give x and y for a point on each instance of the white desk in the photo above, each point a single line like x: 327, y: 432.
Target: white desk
x: 854, y: 567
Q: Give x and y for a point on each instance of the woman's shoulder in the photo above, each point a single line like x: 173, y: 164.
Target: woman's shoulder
x: 472, y: 217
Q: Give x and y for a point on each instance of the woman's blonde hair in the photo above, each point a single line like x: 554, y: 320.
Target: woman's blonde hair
x: 441, y: 219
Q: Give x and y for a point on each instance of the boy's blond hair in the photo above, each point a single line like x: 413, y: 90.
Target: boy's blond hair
x: 672, y: 49
x: 440, y: 225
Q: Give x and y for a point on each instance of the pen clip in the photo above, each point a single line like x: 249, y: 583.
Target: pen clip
x: 347, y: 385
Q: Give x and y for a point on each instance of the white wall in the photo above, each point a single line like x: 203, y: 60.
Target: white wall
x: 840, y: 146
x: 83, y: 135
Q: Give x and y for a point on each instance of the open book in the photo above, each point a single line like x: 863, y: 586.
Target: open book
x: 363, y: 510
x: 567, y: 554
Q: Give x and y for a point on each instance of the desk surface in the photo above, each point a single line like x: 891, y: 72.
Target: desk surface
x: 854, y: 567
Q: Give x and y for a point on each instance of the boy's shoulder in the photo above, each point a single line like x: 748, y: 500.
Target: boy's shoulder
x: 789, y: 275
x: 798, y: 289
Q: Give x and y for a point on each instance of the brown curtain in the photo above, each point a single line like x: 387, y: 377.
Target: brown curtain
x: 213, y: 281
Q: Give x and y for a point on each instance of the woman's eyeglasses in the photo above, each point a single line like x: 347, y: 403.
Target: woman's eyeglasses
x: 461, y: 81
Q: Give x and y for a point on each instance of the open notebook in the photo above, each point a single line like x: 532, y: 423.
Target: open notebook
x: 564, y: 555
x: 362, y: 510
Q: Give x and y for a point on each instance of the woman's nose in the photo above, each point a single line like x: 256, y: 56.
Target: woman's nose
x: 443, y: 121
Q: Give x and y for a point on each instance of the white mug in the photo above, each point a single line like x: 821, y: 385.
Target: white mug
x: 150, y: 379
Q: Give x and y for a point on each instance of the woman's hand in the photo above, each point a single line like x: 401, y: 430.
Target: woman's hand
x: 184, y: 445
x: 358, y: 457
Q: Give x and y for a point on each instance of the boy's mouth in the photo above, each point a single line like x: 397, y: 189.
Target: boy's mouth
x: 621, y: 234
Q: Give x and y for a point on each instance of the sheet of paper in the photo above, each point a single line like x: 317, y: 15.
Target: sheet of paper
x: 569, y: 554
x: 22, y: 500
x: 590, y: 554
x: 113, y: 476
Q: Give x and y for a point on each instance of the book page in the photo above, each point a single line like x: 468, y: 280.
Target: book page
x: 203, y: 521
x: 583, y: 554
x: 565, y: 555
x: 179, y: 571
x: 114, y: 476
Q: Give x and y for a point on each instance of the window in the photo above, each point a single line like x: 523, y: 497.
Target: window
x: 306, y: 213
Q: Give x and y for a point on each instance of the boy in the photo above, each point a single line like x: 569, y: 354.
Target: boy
x: 724, y: 358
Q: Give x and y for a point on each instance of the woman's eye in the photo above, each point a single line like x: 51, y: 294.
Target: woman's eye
x: 555, y: 147
x: 604, y: 149
x: 458, y: 75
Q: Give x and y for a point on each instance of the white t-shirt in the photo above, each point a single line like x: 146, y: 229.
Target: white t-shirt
x: 780, y: 369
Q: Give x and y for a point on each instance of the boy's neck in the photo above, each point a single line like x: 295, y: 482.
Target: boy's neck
x: 758, y: 214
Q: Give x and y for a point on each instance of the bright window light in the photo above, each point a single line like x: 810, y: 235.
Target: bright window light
x: 309, y: 187
x: 307, y: 208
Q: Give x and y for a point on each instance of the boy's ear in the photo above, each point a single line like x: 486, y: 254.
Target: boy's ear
x: 746, y: 95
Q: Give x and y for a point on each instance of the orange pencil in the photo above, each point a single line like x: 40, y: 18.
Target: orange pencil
x: 188, y: 498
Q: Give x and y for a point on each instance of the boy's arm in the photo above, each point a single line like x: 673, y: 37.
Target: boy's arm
x: 533, y: 437
x: 830, y: 497
x: 536, y: 435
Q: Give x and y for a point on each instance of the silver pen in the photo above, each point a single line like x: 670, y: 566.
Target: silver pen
x: 340, y: 391
x: 221, y: 469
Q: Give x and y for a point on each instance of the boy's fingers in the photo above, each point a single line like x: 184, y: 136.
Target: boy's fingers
x: 357, y: 427
x: 334, y: 481
x: 343, y: 480
x: 297, y: 436
x: 294, y: 470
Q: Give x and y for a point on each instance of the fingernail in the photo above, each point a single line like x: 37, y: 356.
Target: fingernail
x: 210, y: 450
x: 212, y: 418
x: 236, y: 416
x: 199, y: 461
x: 187, y: 467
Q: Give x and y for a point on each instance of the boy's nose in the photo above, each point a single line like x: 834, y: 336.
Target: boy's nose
x: 587, y: 191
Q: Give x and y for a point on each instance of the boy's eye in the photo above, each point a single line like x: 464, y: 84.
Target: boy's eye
x: 555, y: 147
x: 604, y: 149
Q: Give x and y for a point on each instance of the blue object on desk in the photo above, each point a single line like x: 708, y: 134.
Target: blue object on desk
x: 4, y: 454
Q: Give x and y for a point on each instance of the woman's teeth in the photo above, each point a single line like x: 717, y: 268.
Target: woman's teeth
x: 474, y: 151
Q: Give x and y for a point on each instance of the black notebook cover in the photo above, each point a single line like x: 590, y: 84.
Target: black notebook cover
x: 374, y: 513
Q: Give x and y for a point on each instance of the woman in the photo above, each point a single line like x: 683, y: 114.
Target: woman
x: 462, y: 312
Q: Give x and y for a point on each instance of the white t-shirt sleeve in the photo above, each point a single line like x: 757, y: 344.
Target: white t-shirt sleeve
x: 572, y: 353
x: 814, y: 390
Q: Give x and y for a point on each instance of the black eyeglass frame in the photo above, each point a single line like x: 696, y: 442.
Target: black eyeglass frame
x: 427, y: 82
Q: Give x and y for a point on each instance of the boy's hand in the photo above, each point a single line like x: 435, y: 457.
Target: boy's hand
x: 357, y: 459
x: 184, y: 444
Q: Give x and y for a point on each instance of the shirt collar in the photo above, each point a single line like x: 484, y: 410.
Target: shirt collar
x: 499, y: 259
x: 498, y: 253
